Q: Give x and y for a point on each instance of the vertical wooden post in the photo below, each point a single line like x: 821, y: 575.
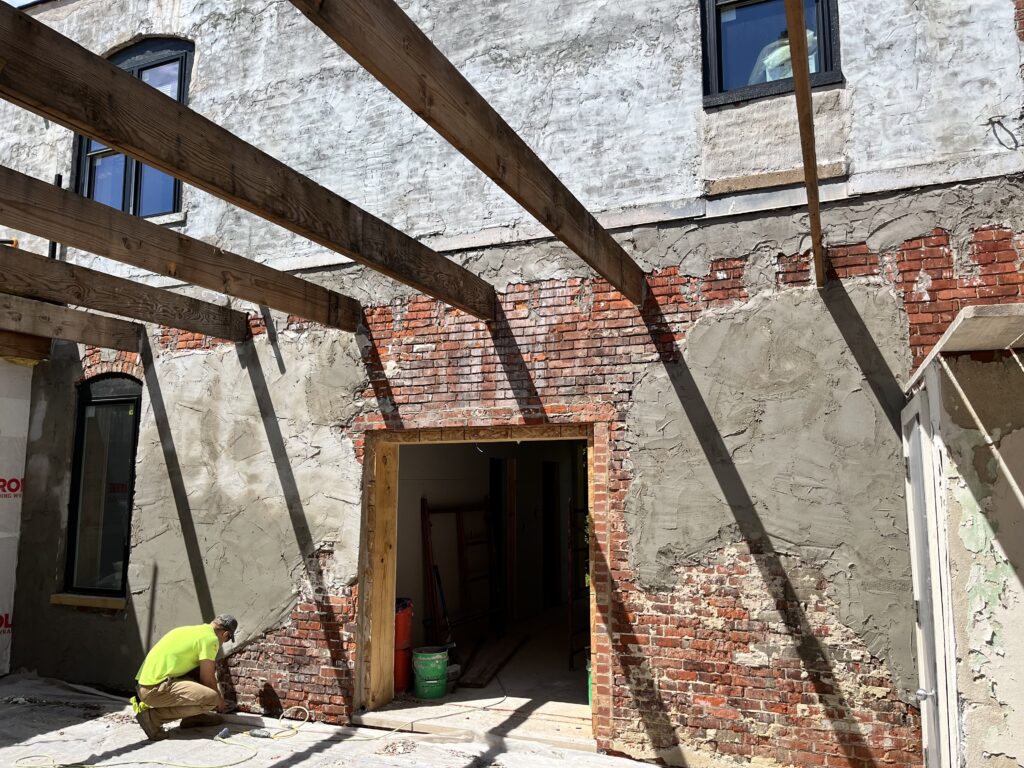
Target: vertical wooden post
x: 381, y: 542
x: 805, y: 115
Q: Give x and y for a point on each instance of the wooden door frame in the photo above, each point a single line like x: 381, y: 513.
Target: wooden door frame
x: 374, y: 673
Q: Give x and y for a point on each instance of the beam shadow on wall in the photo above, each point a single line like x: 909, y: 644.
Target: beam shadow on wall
x: 812, y: 654
x: 861, y: 343
x: 177, y: 481
x: 520, y: 381
x: 386, y: 403
x: 333, y: 636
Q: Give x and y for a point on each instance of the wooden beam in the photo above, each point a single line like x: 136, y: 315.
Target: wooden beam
x: 31, y: 205
x: 22, y: 347
x: 797, y: 31
x: 46, y: 73
x: 386, y: 42
x: 38, y: 318
x: 37, y: 277
x: 382, y: 563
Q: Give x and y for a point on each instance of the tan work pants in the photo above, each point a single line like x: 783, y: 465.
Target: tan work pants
x: 176, y: 698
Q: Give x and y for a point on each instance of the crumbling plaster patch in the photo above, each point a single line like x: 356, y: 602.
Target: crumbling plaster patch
x: 986, y: 523
x: 814, y: 451
x: 883, y: 221
x: 731, y: 148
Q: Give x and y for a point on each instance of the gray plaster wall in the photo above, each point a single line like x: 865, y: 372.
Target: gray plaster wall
x: 242, y: 470
x: 984, y: 517
x: 609, y: 94
x: 768, y: 432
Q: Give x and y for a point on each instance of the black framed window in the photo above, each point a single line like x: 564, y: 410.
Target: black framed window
x: 746, y: 48
x: 102, y: 485
x: 118, y: 181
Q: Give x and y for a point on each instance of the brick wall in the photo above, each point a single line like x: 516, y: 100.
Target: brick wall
x: 309, y: 661
x: 96, y: 362
x: 746, y: 656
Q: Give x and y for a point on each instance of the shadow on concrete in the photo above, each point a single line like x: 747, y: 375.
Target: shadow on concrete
x: 119, y: 752
x: 268, y: 321
x: 520, y: 381
x: 861, y: 343
x: 177, y: 481
x: 327, y: 615
x: 495, y: 737
x: 812, y: 654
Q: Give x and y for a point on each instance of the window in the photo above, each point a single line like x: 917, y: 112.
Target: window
x: 746, y: 48
x: 109, y: 177
x: 102, y: 484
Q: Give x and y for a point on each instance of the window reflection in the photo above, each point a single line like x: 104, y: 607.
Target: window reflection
x: 106, y: 180
x: 156, y: 192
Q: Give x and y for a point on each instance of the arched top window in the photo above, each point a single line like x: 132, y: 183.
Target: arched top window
x: 118, y: 181
x: 102, y: 485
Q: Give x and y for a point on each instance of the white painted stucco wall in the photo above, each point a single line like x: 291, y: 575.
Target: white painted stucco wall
x: 608, y: 93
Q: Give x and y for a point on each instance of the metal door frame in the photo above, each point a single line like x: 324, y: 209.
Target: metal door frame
x: 933, y: 631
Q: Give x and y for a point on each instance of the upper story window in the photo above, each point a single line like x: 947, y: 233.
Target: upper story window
x: 746, y: 48
x: 109, y: 177
x: 102, y: 485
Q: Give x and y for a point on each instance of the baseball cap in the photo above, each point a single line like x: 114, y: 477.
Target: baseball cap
x: 228, y: 622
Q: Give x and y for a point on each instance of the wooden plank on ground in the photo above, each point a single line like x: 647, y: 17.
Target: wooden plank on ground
x: 383, y: 562
x: 37, y: 277
x: 38, y: 318
x: 386, y: 42
x: 31, y: 205
x: 46, y: 73
x: 23, y: 347
x: 796, y: 27
x: 491, y: 657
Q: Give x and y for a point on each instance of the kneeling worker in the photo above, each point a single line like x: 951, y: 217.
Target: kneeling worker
x: 167, y: 686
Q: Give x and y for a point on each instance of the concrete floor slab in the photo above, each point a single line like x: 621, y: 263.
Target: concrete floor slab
x: 535, y: 696
x: 45, y: 722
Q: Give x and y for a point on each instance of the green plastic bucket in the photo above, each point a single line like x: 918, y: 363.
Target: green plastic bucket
x: 430, y: 663
x: 429, y: 689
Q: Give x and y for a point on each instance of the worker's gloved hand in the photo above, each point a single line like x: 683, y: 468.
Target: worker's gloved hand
x: 222, y: 706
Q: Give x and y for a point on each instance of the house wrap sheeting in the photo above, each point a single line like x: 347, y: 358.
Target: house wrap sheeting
x: 15, y: 394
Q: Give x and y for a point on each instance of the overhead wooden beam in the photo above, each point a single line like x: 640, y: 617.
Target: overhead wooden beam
x: 387, y: 43
x: 22, y: 347
x: 38, y: 318
x: 37, y: 277
x: 46, y: 73
x: 31, y: 205
x: 797, y: 31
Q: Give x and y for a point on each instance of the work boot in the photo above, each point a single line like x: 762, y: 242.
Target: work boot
x: 201, y: 720
x: 154, y: 731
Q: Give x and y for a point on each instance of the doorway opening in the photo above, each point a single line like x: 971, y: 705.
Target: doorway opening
x: 492, y: 549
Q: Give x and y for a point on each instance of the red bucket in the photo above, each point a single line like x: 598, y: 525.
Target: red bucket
x: 403, y: 623
x: 403, y: 669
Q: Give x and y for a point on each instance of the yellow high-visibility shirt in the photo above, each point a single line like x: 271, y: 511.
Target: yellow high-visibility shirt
x: 178, y: 652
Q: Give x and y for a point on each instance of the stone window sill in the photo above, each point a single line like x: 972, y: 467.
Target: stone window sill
x: 97, y: 602
x: 178, y: 219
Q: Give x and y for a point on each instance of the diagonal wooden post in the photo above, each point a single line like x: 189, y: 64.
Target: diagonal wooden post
x: 805, y: 115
